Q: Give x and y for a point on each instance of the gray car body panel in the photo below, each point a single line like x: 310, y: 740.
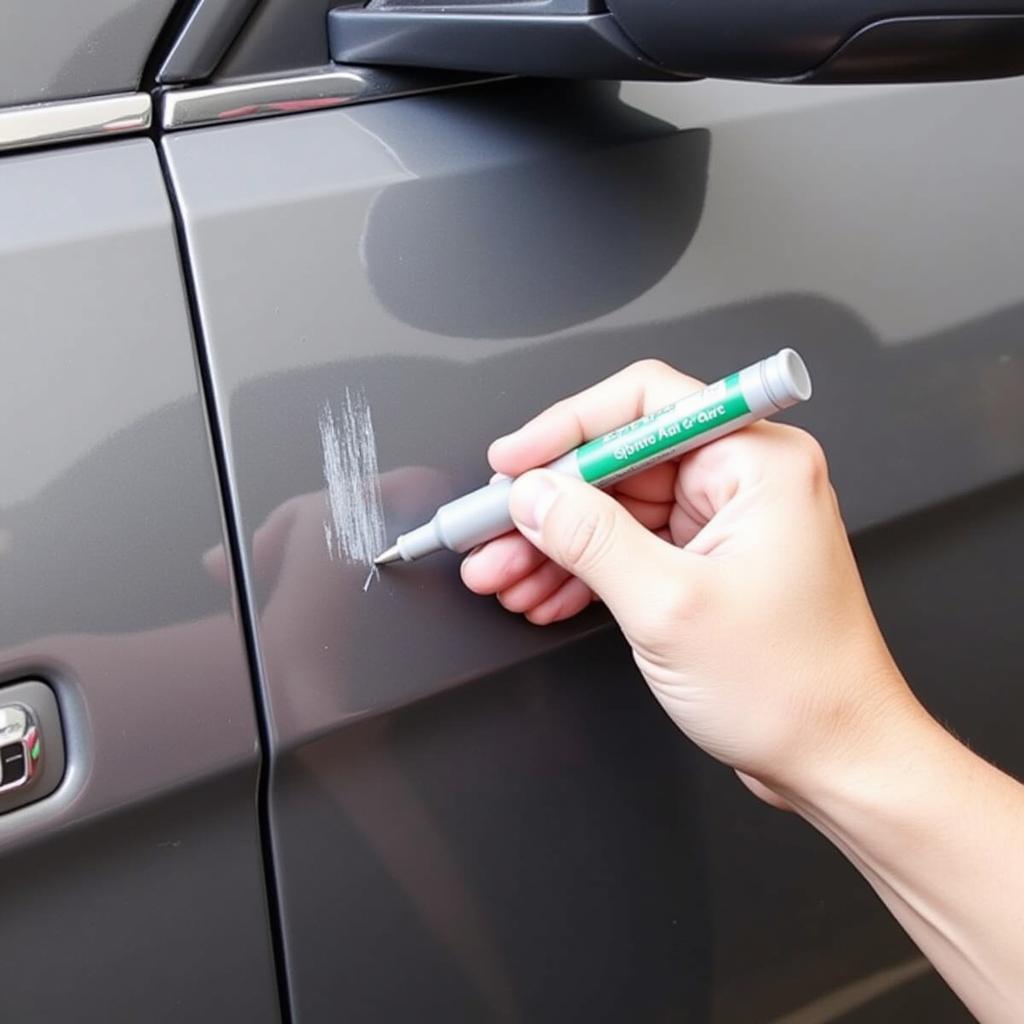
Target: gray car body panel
x: 136, y: 890
x: 476, y: 819
x: 57, y: 49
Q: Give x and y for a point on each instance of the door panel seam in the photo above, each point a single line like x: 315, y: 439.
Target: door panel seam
x: 232, y: 539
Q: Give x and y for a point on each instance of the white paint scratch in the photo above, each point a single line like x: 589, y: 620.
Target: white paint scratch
x: 857, y: 994
x: 355, y: 530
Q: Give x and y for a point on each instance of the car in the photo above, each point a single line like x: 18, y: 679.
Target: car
x: 243, y: 780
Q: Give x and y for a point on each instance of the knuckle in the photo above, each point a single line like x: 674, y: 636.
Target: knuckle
x: 650, y: 371
x: 513, y: 601
x: 650, y: 367
x: 809, y: 459
x: 680, y: 603
x: 645, y: 372
x: 670, y: 609
x: 558, y: 407
x: 588, y: 537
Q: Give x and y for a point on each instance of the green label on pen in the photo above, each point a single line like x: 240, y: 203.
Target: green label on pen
x: 659, y: 435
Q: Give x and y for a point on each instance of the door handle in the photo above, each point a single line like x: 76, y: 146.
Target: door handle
x: 31, y: 744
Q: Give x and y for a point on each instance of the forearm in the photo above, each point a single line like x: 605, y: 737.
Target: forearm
x: 939, y: 834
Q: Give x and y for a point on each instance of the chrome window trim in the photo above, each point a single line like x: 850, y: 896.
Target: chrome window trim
x: 318, y: 89
x: 109, y: 116
x: 95, y: 117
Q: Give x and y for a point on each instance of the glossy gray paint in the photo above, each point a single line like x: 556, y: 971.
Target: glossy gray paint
x: 473, y: 818
x: 134, y: 892
x: 58, y: 49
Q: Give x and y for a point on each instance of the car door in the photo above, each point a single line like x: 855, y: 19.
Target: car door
x: 474, y: 819
x: 131, y: 868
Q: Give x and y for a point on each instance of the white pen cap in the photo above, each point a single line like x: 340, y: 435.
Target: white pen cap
x: 785, y: 378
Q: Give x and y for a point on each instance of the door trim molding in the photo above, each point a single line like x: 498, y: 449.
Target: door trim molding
x: 96, y: 117
x: 313, y: 89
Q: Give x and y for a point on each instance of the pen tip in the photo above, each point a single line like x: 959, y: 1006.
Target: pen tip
x: 391, y: 555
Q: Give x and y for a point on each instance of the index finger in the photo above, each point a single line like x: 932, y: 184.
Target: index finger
x: 639, y: 389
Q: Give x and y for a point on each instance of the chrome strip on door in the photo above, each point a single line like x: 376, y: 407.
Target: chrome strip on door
x: 246, y: 99
x: 99, y: 117
x: 40, y: 124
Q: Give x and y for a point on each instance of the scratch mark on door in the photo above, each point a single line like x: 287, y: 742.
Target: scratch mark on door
x: 354, y: 529
x: 857, y: 994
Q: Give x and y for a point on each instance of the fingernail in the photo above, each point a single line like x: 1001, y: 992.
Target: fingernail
x: 531, y: 499
x: 498, y: 442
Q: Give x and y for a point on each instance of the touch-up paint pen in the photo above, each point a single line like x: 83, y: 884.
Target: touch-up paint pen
x: 760, y: 390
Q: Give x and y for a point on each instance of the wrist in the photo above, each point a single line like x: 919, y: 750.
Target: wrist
x: 877, y: 780
x: 879, y: 734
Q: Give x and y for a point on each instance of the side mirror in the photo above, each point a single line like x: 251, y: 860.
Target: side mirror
x: 796, y: 41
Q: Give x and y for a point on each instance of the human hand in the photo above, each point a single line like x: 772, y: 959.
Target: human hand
x: 728, y: 570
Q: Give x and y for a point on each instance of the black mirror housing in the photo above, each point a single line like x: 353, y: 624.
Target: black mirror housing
x: 794, y: 41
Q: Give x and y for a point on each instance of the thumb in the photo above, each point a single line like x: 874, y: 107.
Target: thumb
x: 591, y: 535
